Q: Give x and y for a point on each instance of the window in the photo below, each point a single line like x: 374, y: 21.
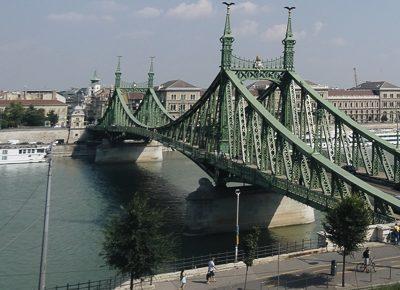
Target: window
x: 3, y: 157
x: 385, y: 95
x: 391, y: 95
x: 24, y: 151
x: 20, y: 151
x: 33, y: 150
x: 5, y: 152
x: 39, y: 151
x: 192, y: 97
x: 173, y: 107
x: 173, y: 97
x: 183, y: 97
x: 29, y: 151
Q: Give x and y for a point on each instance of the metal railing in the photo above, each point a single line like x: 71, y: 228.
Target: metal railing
x: 229, y: 257
x: 201, y: 261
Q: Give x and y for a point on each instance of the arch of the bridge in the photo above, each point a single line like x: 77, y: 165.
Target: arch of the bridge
x: 280, y: 140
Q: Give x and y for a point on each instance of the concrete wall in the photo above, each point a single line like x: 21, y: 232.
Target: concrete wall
x: 41, y: 134
x: 129, y: 152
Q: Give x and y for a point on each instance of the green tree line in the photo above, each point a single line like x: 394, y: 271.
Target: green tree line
x: 16, y: 115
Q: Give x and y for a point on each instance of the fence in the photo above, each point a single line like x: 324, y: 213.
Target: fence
x: 201, y: 261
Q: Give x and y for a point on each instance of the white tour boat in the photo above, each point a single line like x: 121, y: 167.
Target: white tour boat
x: 22, y: 153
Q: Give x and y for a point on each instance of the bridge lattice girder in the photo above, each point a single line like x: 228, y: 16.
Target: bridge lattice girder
x: 267, y: 142
x: 279, y: 141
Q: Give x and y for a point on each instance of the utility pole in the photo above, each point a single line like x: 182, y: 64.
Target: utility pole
x: 43, y: 258
x: 237, y: 191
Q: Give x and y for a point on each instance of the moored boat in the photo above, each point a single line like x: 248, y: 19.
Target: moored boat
x: 22, y: 153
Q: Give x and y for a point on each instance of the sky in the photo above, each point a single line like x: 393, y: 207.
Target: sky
x: 57, y: 44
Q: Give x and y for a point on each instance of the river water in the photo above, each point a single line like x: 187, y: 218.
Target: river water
x: 84, y: 196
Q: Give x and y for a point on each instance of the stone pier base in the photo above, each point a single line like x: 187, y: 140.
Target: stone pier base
x: 129, y: 152
x: 214, y: 212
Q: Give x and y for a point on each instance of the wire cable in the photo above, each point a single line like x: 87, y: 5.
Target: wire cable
x: 20, y: 208
x: 20, y: 233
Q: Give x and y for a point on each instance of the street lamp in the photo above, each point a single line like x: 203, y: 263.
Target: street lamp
x: 237, y: 191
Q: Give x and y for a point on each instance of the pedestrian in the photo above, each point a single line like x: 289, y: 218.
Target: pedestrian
x: 211, y: 271
x: 366, y: 254
x: 397, y: 234
x: 183, y: 279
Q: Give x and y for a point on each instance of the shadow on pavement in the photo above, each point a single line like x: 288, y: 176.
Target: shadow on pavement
x: 304, y: 280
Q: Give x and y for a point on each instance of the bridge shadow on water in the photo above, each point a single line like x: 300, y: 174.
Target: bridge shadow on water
x: 200, y: 216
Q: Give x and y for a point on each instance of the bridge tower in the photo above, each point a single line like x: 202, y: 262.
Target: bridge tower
x: 289, y: 42
x: 225, y: 89
x: 150, y: 81
x: 118, y: 73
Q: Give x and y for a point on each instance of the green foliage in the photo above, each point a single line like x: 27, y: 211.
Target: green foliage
x: 347, y: 223
x: 52, y: 118
x: 34, y: 117
x: 134, y: 243
x: 12, y: 115
x: 250, y: 245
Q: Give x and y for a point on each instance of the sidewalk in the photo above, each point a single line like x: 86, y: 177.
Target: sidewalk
x: 311, y: 271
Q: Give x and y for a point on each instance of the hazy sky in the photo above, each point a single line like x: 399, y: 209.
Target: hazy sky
x: 58, y: 43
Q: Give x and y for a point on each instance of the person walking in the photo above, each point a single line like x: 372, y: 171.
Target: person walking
x: 183, y: 279
x: 366, y: 255
x: 211, y: 271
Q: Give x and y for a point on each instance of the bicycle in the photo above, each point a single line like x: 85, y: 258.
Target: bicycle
x: 362, y: 267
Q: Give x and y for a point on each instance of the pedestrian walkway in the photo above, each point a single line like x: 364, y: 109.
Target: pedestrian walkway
x: 309, y: 271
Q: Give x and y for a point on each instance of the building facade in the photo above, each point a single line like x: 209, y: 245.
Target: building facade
x: 178, y: 96
x: 58, y: 107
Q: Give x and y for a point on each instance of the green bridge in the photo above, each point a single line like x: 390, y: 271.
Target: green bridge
x: 278, y: 141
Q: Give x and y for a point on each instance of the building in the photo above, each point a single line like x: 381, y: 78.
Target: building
x: 32, y: 95
x: 74, y: 97
x: 134, y: 100
x: 389, y: 98
x: 361, y: 105
x: 58, y: 107
x: 96, y: 104
x: 178, y: 96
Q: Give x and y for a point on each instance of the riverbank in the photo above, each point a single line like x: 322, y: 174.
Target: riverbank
x: 309, y: 269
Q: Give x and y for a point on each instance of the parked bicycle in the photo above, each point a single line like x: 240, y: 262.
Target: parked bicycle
x: 363, y: 267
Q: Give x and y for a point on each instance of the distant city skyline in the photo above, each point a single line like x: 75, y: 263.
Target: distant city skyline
x: 58, y: 44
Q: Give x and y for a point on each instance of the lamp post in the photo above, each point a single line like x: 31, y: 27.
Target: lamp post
x: 237, y: 191
x: 43, y: 258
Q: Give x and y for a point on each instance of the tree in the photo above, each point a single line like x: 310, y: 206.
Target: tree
x: 346, y: 225
x: 13, y: 115
x: 250, y: 245
x: 33, y: 116
x: 52, y: 118
x: 134, y: 243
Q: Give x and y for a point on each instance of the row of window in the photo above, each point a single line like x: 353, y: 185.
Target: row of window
x: 183, y: 97
x: 355, y: 104
x: 391, y: 95
x: 182, y: 107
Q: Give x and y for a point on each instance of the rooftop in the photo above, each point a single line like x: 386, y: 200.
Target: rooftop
x: 354, y: 93
x: 4, y: 103
x: 176, y: 84
x: 375, y: 85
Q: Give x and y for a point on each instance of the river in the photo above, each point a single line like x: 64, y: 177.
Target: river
x: 84, y: 196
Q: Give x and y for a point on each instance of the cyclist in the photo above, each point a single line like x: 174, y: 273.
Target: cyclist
x: 366, y: 255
